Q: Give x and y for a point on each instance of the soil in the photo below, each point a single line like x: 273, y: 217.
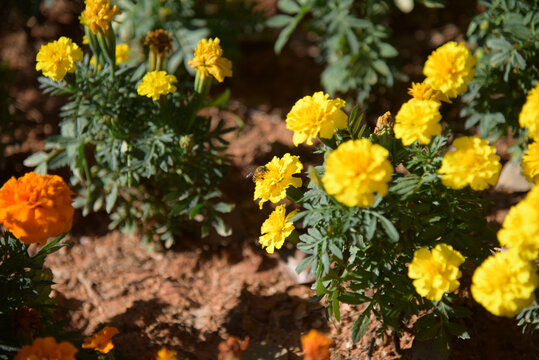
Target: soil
x: 195, y: 296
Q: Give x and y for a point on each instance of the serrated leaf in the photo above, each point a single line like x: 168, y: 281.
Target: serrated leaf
x: 360, y: 326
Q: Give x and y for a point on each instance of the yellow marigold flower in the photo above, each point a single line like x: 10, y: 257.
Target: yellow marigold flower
x: 504, y: 283
x: 156, y: 83
x: 435, y: 271
x: 313, y: 115
x: 449, y: 69
x: 423, y: 91
x: 165, y: 354
x: 316, y: 346
x: 355, y: 171
x: 530, y: 163
x: 122, y: 53
x: 209, y: 61
x: 276, y: 178
x: 98, y: 14
x: 418, y: 120
x: 101, y: 341
x: 276, y: 229
x: 58, y: 58
x: 35, y: 207
x: 529, y: 115
x: 520, y: 229
x: 474, y: 163
x: 47, y: 349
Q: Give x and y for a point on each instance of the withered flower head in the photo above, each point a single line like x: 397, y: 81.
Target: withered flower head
x: 384, y: 121
x: 159, y: 41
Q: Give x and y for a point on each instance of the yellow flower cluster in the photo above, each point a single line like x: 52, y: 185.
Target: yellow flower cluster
x: 435, y: 271
x: 529, y: 115
x: 98, y: 14
x: 35, y: 207
x: 530, y: 163
x: 520, y: 229
x: 316, y: 346
x: 504, y: 283
x: 474, y: 163
x: 313, y: 115
x: 58, y: 58
x: 276, y: 178
x: 209, y: 59
x: 355, y: 171
x: 276, y: 229
x: 101, y: 341
x: 47, y: 349
x: 156, y: 83
x: 449, y: 69
x: 418, y: 120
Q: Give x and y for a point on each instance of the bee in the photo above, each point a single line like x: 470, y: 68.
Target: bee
x: 257, y: 174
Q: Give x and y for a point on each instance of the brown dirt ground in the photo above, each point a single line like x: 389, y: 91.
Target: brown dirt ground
x: 195, y: 296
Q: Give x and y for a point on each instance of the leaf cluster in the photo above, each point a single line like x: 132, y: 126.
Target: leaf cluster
x: 153, y: 166
x: 360, y: 255
x: 25, y: 285
x: 505, y: 36
x: 352, y: 38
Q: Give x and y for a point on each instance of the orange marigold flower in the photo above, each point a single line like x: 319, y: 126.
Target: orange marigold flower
x: 35, y: 207
x: 166, y: 354
x: 316, y: 346
x: 101, y: 341
x: 47, y: 349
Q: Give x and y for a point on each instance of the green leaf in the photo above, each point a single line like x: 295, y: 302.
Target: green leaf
x: 360, y: 326
x: 288, y: 6
x: 223, y: 207
x: 36, y: 159
x: 335, y: 250
x: 353, y: 298
x: 279, y: 20
x: 335, y: 306
x: 387, y: 50
x: 389, y: 228
x: 499, y: 44
x: 370, y: 223
x: 111, y: 197
x: 381, y: 67
x: 304, y: 264
x: 221, y: 228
